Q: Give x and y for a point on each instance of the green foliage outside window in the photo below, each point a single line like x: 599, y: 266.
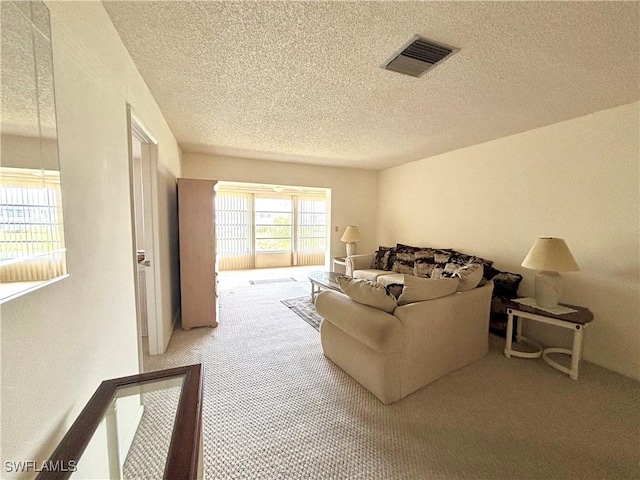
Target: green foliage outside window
x: 276, y: 236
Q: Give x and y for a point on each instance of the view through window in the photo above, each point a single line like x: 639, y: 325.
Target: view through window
x: 274, y: 221
x: 31, y: 235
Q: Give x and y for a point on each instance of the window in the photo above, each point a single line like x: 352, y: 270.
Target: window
x: 31, y: 234
x: 312, y: 224
x: 233, y: 223
x: 273, y: 224
x: 252, y: 223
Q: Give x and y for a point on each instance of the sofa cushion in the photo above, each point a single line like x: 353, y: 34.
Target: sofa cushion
x: 384, y: 258
x: 418, y: 289
x: 370, y: 274
x: 390, y: 278
x: 368, y: 293
x: 404, y: 259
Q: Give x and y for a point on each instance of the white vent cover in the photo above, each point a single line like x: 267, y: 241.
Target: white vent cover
x: 419, y: 56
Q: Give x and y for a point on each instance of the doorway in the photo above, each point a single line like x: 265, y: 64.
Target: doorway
x: 142, y: 164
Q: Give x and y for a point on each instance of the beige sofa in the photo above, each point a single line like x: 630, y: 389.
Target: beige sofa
x: 393, y: 355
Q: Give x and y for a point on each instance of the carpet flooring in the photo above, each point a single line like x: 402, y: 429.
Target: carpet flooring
x: 148, y: 452
x: 266, y: 281
x: 276, y: 408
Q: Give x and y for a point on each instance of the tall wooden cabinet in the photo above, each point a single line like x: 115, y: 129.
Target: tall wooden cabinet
x: 197, y: 237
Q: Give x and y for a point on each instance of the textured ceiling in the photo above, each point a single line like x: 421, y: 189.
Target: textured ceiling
x: 301, y: 81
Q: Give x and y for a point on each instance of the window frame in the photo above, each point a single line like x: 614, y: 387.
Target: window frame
x: 40, y: 182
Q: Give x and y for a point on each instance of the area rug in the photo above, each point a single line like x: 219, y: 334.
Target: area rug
x: 304, y: 308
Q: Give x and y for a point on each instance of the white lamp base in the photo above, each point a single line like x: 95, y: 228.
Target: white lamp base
x: 547, y: 289
x: 351, y: 248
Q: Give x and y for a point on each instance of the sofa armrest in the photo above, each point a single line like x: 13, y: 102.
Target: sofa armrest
x: 377, y: 329
x: 358, y: 262
x: 453, y: 324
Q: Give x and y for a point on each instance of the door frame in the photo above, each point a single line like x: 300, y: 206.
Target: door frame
x: 136, y: 127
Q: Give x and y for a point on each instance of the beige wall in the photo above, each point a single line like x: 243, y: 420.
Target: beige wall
x: 353, y: 191
x: 578, y: 180
x: 60, y: 342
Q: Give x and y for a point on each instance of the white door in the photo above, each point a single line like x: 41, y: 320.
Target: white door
x: 143, y: 151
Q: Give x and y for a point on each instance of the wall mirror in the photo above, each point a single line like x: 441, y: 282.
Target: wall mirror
x: 32, y: 249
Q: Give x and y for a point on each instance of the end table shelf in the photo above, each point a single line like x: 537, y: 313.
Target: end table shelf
x: 575, y: 321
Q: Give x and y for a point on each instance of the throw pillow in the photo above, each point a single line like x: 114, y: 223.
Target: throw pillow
x: 505, y: 287
x: 464, y: 259
x: 506, y: 284
x: 368, y: 293
x: 390, y: 259
x: 436, y: 263
x: 393, y: 282
x: 444, y: 270
x: 395, y: 289
x: 420, y: 289
x: 425, y: 261
x: 470, y: 276
x: 490, y: 272
x: 404, y: 259
x: 381, y: 258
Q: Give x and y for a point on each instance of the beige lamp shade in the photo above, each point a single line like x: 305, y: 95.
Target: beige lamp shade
x: 550, y: 254
x: 351, y: 234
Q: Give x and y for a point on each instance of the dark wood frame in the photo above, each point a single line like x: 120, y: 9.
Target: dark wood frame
x: 582, y: 316
x: 184, y: 449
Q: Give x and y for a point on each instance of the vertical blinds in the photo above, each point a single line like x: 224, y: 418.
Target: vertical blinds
x: 31, y: 233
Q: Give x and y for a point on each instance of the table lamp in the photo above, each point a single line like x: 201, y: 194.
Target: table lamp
x: 351, y: 235
x: 550, y: 256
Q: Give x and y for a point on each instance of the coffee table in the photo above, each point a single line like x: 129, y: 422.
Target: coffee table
x: 323, y: 280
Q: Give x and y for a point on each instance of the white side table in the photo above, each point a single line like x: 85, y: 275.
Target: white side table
x: 575, y: 321
x: 338, y: 261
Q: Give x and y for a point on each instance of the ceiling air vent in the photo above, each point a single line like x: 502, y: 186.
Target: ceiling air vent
x: 419, y: 56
